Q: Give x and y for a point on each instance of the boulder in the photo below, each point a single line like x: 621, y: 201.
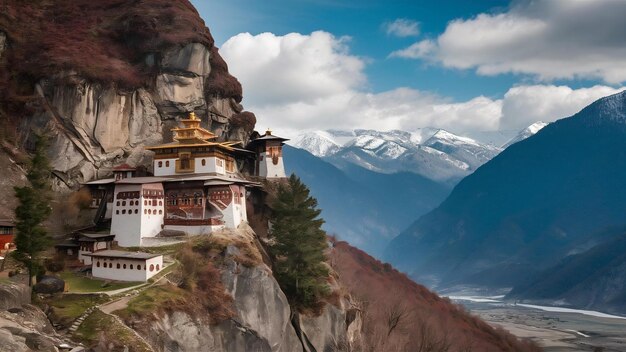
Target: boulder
x: 13, y: 295
x: 26, y: 329
x: 49, y: 284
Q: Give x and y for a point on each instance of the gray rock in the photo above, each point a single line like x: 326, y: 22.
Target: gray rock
x: 26, y: 330
x: 326, y: 332
x: 261, y: 305
x: 49, y: 284
x: 13, y: 295
x: 193, y: 57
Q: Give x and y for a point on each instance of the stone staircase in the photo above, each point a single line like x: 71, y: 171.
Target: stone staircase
x: 76, y: 324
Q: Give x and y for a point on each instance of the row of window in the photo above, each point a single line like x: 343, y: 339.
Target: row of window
x: 127, y: 195
x: 230, y: 164
x: 136, y: 202
x: 123, y: 266
x: 136, y: 211
x: 184, y: 201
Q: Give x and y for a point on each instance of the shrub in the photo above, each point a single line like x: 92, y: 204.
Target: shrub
x: 200, y: 278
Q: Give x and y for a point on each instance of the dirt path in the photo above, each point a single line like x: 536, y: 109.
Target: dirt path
x: 116, y: 305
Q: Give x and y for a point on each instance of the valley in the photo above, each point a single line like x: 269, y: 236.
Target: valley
x: 554, y: 331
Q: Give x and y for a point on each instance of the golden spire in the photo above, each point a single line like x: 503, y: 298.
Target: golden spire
x: 192, y: 116
x: 268, y: 132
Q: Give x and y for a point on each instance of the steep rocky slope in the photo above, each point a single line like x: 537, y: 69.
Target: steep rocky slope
x: 529, y: 207
x: 103, y: 79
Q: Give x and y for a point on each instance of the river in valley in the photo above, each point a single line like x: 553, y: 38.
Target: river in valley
x: 554, y: 329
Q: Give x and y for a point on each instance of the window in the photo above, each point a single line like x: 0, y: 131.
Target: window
x: 158, y: 268
x: 131, y: 266
x: 123, y: 211
x: 203, y: 162
x: 124, y: 266
x: 136, y: 211
x: 160, y: 212
x: 184, y: 162
x: 118, y: 203
x: 154, y: 202
x: 145, y: 211
x: 118, y: 265
x: 138, y: 266
x: 160, y: 164
x: 124, y: 203
x: 149, y: 211
x: 151, y: 267
x: 98, y: 264
x: 145, y: 202
x: 230, y: 165
x: 160, y: 203
x: 167, y: 163
x: 110, y: 265
x: 117, y: 212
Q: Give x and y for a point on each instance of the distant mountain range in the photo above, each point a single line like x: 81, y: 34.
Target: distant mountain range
x: 371, y: 185
x: 361, y: 206
x: 540, y: 200
x: 436, y: 154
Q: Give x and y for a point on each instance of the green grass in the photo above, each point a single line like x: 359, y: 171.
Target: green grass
x: 78, y: 283
x: 67, y: 307
x: 152, y: 300
x: 100, y: 323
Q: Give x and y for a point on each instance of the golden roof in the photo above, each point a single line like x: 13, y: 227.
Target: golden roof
x: 192, y: 135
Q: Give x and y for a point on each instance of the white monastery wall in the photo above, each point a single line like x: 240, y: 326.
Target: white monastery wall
x: 167, y: 168
x: 120, y: 269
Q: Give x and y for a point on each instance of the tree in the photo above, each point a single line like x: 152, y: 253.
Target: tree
x: 33, y: 209
x: 299, y: 246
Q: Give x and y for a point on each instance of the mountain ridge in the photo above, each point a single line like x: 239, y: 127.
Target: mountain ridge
x: 537, y: 197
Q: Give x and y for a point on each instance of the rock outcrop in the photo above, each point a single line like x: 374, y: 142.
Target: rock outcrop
x: 262, y: 320
x: 23, y: 327
x: 102, y: 100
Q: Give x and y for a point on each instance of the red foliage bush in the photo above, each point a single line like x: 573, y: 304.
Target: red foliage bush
x: 245, y: 119
x: 104, y: 40
x: 402, y: 315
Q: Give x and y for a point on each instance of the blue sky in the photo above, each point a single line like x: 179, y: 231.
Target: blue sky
x: 480, y: 55
x: 363, y: 22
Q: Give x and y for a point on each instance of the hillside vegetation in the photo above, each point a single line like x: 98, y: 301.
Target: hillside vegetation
x: 400, y: 315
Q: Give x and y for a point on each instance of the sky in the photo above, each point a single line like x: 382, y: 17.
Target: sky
x: 465, y: 66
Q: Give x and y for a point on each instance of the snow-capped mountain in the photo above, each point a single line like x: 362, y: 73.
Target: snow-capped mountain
x: 318, y: 143
x: 434, y: 153
x: 525, y: 133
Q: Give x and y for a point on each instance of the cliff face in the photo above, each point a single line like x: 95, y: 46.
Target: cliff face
x: 261, y: 318
x: 105, y: 79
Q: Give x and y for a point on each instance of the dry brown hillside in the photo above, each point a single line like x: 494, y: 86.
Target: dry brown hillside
x: 400, y: 315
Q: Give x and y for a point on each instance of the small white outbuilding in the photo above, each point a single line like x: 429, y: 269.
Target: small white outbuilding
x: 125, y: 266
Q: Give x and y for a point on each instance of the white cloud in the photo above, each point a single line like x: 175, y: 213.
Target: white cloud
x: 292, y: 67
x: 306, y: 82
x: 402, y: 27
x: 524, y: 105
x: 421, y: 49
x: 548, y: 39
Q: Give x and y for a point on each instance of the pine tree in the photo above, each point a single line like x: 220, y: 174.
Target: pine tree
x: 34, y: 208
x: 299, y: 245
